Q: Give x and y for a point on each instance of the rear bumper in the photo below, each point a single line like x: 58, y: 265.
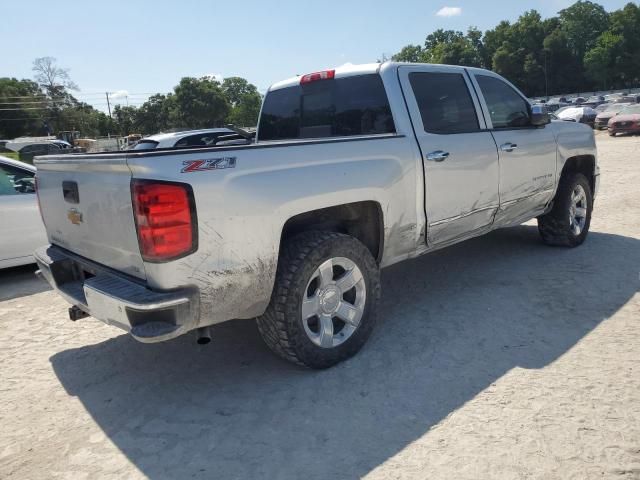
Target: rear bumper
x: 118, y: 300
x: 625, y: 129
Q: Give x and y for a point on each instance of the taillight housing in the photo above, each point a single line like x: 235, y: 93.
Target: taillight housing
x: 165, y: 217
x: 315, y: 76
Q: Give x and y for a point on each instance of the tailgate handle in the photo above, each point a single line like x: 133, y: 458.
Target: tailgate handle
x: 70, y: 191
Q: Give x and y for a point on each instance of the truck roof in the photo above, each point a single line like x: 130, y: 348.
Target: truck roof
x: 348, y: 70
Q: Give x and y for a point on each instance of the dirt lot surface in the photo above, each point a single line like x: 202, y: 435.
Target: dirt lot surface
x: 497, y: 358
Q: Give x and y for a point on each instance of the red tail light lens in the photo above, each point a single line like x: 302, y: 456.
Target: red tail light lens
x: 315, y: 76
x: 165, y: 219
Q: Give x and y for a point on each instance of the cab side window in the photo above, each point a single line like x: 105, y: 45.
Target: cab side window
x: 507, y: 108
x: 444, y: 102
x: 14, y: 181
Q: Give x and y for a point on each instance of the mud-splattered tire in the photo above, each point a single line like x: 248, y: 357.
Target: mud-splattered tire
x: 567, y: 224
x: 287, y: 326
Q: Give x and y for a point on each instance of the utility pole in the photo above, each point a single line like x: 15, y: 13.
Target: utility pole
x: 108, y: 104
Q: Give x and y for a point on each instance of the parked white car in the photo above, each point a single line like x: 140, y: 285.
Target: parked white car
x: 21, y: 228
x: 189, y: 138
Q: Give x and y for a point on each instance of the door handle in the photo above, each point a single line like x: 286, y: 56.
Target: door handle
x: 437, y: 156
x: 508, y: 147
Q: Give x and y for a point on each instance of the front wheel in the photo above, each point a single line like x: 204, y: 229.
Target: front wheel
x: 567, y: 223
x: 324, y: 302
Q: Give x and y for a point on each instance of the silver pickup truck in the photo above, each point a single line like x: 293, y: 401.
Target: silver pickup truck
x: 352, y: 170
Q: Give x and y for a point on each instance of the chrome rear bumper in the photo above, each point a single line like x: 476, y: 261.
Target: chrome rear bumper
x: 118, y: 300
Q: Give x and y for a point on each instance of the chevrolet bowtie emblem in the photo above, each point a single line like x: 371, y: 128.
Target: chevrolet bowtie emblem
x: 74, y: 216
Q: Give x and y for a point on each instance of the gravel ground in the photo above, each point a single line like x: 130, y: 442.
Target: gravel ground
x: 497, y: 358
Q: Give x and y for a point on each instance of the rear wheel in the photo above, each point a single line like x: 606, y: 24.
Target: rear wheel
x: 567, y: 223
x: 324, y: 302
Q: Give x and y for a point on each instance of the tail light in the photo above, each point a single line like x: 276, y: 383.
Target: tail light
x: 315, y: 76
x: 165, y: 218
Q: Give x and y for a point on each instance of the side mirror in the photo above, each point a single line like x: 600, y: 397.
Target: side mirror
x: 539, y: 115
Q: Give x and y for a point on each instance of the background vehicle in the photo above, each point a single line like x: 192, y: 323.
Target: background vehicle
x: 352, y: 170
x: 594, y: 101
x: 556, y: 103
x: 28, y: 152
x: 21, y: 230
x: 580, y: 114
x: 188, y: 138
x: 626, y: 121
x: 602, y: 118
x: 626, y: 99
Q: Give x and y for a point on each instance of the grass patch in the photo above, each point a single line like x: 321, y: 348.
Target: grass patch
x: 13, y: 155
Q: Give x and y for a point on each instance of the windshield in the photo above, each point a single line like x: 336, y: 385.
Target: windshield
x: 146, y: 145
x: 630, y: 110
x: 615, y: 108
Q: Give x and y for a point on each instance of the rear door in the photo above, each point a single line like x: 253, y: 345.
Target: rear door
x: 21, y: 229
x: 459, y: 156
x: 527, y: 153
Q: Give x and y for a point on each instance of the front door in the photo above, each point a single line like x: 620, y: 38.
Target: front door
x: 459, y: 156
x: 527, y: 153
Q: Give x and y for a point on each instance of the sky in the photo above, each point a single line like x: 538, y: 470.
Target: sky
x: 138, y: 48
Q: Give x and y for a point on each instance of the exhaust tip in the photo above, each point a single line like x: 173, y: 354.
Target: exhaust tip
x: 203, y: 336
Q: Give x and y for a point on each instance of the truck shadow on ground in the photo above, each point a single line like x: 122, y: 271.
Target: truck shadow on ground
x: 450, y: 325
x: 19, y: 282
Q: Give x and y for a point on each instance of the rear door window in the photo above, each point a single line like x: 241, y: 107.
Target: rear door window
x: 445, y: 102
x: 339, y: 107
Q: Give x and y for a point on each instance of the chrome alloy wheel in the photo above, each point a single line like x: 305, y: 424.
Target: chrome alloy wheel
x: 334, y: 302
x: 578, y: 210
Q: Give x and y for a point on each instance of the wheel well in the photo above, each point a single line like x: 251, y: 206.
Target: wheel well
x: 362, y: 220
x: 584, y: 164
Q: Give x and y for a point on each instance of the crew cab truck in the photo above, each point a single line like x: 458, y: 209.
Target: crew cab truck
x: 352, y: 170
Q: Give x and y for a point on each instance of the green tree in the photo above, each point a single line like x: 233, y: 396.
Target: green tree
x: 125, y: 119
x: 583, y: 22
x: 244, y: 99
x: 600, y: 61
x: 245, y: 112
x: 625, y: 23
x: 155, y: 114
x: 410, y: 53
x: 200, y: 103
x: 22, y: 108
x: 561, y: 65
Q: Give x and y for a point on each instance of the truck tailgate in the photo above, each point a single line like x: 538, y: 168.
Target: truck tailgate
x: 86, y: 207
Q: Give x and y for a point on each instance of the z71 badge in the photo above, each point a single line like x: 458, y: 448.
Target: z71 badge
x: 211, y: 164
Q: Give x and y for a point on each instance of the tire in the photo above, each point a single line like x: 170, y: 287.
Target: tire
x: 283, y: 327
x: 557, y: 226
x: 612, y: 134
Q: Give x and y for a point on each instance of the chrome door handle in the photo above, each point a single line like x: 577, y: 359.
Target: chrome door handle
x: 437, y: 156
x: 508, y: 147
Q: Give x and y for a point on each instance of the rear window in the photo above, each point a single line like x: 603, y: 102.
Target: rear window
x: 145, y: 145
x: 327, y: 108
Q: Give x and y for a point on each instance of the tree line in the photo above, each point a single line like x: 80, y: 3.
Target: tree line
x: 583, y: 48
x: 46, y: 105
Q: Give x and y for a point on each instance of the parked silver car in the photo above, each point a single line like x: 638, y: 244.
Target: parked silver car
x: 21, y: 228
